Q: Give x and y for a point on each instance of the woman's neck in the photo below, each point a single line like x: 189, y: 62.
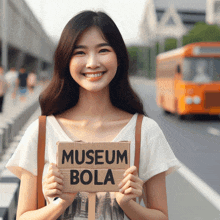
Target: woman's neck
x: 94, y: 104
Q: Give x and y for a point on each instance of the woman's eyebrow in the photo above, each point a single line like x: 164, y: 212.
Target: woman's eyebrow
x: 98, y: 45
x: 103, y: 44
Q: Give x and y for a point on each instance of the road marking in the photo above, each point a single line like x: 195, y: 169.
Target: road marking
x: 213, y: 131
x: 210, y: 194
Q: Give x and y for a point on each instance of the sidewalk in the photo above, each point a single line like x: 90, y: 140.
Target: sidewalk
x: 13, y: 107
x: 14, y: 120
x: 15, y: 114
x: 9, y: 183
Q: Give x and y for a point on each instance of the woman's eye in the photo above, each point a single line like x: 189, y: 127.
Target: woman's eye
x: 104, y: 50
x: 79, y: 53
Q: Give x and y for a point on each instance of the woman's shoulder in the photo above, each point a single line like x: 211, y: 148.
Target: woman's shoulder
x: 149, y: 121
x: 150, y: 127
x: 34, y: 125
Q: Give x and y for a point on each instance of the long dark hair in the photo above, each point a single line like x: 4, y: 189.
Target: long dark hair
x: 63, y: 92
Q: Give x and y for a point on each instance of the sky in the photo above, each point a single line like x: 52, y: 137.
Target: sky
x: 54, y: 14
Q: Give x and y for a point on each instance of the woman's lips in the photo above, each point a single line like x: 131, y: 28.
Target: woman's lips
x: 93, y: 76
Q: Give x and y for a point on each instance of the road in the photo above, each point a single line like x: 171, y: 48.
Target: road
x: 195, y: 142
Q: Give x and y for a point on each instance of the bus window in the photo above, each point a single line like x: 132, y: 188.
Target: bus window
x: 215, y: 69
x: 188, y: 69
x: 202, y: 73
x: 201, y: 70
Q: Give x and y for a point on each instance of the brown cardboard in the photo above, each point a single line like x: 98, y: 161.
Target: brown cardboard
x: 100, y: 169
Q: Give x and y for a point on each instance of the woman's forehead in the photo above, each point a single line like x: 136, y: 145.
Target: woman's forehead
x: 92, y: 35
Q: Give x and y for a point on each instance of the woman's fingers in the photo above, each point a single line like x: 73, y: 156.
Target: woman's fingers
x: 132, y: 178
x: 54, y: 171
x: 53, y: 189
x: 55, y: 185
x: 136, y: 192
x: 54, y: 179
x: 53, y: 175
x: 131, y: 170
x: 131, y: 184
x: 52, y: 192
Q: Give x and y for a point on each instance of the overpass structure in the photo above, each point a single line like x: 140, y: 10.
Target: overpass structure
x: 23, y: 42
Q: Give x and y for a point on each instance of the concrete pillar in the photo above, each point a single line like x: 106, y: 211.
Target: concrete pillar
x: 4, y: 24
x: 39, y: 68
x: 20, y: 59
x: 39, y: 65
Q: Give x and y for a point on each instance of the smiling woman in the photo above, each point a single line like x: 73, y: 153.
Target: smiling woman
x: 90, y: 99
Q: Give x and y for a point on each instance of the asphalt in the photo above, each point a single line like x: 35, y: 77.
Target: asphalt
x: 190, y: 193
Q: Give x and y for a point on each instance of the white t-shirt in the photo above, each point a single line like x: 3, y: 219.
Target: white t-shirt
x: 156, y: 155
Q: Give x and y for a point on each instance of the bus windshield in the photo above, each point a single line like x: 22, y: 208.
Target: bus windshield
x: 201, y: 70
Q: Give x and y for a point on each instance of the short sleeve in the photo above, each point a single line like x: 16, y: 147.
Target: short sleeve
x: 25, y: 155
x: 156, y: 153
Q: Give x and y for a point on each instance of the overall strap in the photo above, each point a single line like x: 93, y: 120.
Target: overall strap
x: 40, y: 160
x: 138, y: 140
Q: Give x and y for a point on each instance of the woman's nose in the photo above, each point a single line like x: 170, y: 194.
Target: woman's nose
x: 92, y: 62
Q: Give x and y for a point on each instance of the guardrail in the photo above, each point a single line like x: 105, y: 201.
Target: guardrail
x: 10, y: 135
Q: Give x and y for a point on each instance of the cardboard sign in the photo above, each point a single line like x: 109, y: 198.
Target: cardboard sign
x: 92, y: 167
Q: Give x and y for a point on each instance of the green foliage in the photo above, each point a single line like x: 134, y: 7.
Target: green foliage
x: 170, y: 44
x: 139, y: 59
x: 202, y: 32
x: 133, y: 57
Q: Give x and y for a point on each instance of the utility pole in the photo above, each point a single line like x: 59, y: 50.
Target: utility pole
x: 4, y: 18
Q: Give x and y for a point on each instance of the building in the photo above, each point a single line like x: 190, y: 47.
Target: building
x: 170, y: 19
x: 23, y: 41
x: 213, y: 12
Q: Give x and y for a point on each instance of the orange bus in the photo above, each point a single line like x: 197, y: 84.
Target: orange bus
x: 188, y: 79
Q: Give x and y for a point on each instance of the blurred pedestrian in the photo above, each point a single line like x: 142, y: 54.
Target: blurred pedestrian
x: 3, y: 88
x: 31, y: 81
x: 11, y: 77
x: 21, y: 84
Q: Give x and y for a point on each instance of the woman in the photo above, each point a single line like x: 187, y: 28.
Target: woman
x: 90, y: 99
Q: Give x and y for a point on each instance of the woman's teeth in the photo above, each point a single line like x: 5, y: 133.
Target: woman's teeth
x: 93, y: 75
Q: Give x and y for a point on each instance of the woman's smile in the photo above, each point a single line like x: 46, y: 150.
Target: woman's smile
x: 94, y: 76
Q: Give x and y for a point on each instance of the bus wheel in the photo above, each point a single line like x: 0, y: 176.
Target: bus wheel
x: 166, y: 112
x: 181, y: 117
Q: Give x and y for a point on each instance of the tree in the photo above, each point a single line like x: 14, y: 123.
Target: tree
x: 202, y: 32
x: 170, y: 44
x: 133, y: 57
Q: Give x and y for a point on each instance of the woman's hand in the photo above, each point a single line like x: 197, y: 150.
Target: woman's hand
x: 130, y: 187
x: 53, y: 186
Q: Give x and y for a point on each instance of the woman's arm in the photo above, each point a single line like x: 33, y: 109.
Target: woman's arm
x: 156, y: 207
x: 27, y: 203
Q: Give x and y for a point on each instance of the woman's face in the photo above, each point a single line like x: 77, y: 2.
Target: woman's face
x: 94, y: 62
